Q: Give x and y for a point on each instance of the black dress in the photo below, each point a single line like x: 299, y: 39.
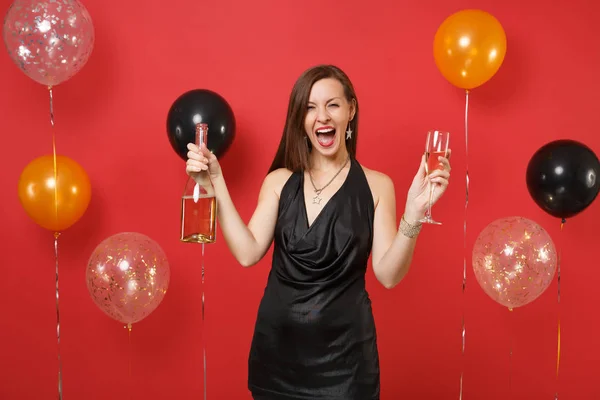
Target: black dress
x: 315, y: 336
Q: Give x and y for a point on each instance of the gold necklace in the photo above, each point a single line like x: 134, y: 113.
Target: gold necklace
x: 317, y: 199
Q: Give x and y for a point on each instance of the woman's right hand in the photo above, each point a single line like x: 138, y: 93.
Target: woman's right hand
x: 201, y: 159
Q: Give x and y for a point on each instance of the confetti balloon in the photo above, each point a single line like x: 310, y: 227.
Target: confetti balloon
x: 514, y: 260
x: 50, y: 41
x: 127, y: 276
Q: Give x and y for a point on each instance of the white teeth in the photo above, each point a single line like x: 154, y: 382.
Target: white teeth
x: 328, y: 130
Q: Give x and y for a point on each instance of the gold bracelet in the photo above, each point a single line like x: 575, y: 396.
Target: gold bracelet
x: 408, y: 230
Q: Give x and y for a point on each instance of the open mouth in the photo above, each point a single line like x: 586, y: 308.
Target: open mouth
x: 326, y: 136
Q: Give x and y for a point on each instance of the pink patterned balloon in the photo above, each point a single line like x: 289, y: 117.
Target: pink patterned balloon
x: 514, y: 260
x: 51, y: 40
x: 127, y: 276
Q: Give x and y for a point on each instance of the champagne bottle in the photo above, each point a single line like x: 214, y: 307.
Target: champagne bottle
x: 198, y: 203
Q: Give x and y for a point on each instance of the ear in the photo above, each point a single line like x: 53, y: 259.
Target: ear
x: 352, y: 109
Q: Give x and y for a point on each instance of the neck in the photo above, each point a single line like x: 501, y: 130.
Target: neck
x: 319, y: 162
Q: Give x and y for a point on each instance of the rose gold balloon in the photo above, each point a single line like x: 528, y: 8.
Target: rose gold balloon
x: 514, y: 260
x: 127, y: 276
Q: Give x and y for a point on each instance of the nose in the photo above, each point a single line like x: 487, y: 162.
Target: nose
x: 322, y: 115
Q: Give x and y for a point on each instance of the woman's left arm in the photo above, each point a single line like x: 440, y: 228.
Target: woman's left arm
x: 393, y: 246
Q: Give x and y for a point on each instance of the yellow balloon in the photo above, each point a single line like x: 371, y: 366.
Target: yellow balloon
x: 469, y: 48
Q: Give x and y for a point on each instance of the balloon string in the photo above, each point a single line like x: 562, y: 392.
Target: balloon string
x: 130, y: 361
x: 562, y: 224
x: 510, y: 352
x: 464, y: 281
x: 60, y: 392
x: 55, y: 170
x: 51, y: 106
x: 56, y: 235
x: 203, y: 330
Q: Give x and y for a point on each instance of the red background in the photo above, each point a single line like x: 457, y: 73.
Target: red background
x: 111, y: 119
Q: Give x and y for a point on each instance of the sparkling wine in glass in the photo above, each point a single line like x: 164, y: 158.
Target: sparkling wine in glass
x: 435, y: 146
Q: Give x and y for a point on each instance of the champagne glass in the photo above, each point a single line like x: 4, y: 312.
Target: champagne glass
x: 435, y: 146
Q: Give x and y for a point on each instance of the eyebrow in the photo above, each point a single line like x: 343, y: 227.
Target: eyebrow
x: 332, y: 99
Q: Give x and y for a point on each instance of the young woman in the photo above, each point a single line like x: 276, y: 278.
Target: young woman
x: 315, y: 336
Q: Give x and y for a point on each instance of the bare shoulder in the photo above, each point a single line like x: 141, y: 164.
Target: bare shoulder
x: 381, y: 185
x: 376, y: 177
x: 276, y: 180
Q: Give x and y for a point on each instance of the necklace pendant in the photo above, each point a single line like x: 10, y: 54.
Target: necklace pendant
x: 317, y: 199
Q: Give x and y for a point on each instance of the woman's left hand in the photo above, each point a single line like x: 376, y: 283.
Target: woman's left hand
x: 417, y: 200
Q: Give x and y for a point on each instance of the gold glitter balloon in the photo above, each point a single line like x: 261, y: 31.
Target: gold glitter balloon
x: 514, y: 260
x: 127, y: 276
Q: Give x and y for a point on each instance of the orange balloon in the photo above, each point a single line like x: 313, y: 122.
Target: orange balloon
x: 54, y: 205
x: 469, y: 48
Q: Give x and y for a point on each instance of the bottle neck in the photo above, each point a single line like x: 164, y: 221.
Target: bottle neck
x: 201, y: 134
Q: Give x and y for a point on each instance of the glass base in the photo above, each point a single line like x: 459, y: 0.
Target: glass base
x: 428, y: 220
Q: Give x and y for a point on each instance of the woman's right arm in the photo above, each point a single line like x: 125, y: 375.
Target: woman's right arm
x: 248, y: 243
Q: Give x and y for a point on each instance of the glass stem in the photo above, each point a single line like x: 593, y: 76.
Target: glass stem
x: 431, y: 189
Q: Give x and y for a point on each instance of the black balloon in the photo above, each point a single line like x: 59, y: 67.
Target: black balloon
x: 563, y: 178
x: 200, y: 106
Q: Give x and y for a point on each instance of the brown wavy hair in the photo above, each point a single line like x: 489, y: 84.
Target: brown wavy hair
x: 293, y: 151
